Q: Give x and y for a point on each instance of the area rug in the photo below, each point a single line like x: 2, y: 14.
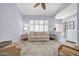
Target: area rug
x: 40, y: 48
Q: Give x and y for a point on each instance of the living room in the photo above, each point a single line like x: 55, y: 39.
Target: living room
x: 45, y: 28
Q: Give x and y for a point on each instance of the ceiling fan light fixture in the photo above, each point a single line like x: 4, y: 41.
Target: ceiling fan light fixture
x: 43, y: 5
x: 36, y: 5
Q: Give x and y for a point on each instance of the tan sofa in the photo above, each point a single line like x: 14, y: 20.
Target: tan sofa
x: 38, y: 36
x: 65, y: 50
x: 10, y: 50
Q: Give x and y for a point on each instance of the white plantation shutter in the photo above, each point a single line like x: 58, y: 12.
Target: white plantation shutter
x: 38, y: 25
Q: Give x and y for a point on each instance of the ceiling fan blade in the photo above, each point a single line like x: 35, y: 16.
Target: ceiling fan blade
x: 36, y: 5
x: 43, y: 6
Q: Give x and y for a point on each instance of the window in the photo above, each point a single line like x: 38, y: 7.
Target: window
x: 38, y: 25
x: 60, y: 28
x: 45, y: 27
x: 57, y: 27
x: 26, y: 28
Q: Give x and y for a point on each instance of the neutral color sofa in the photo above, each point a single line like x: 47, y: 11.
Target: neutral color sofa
x: 10, y: 50
x: 5, y: 43
x: 65, y: 50
x: 38, y: 36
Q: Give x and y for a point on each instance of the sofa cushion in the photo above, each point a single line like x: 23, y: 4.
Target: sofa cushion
x: 38, y: 36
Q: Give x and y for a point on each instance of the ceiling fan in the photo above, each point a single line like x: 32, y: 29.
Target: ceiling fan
x: 43, y: 5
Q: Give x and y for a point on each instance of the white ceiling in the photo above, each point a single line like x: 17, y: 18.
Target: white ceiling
x: 28, y: 9
x: 70, y: 10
